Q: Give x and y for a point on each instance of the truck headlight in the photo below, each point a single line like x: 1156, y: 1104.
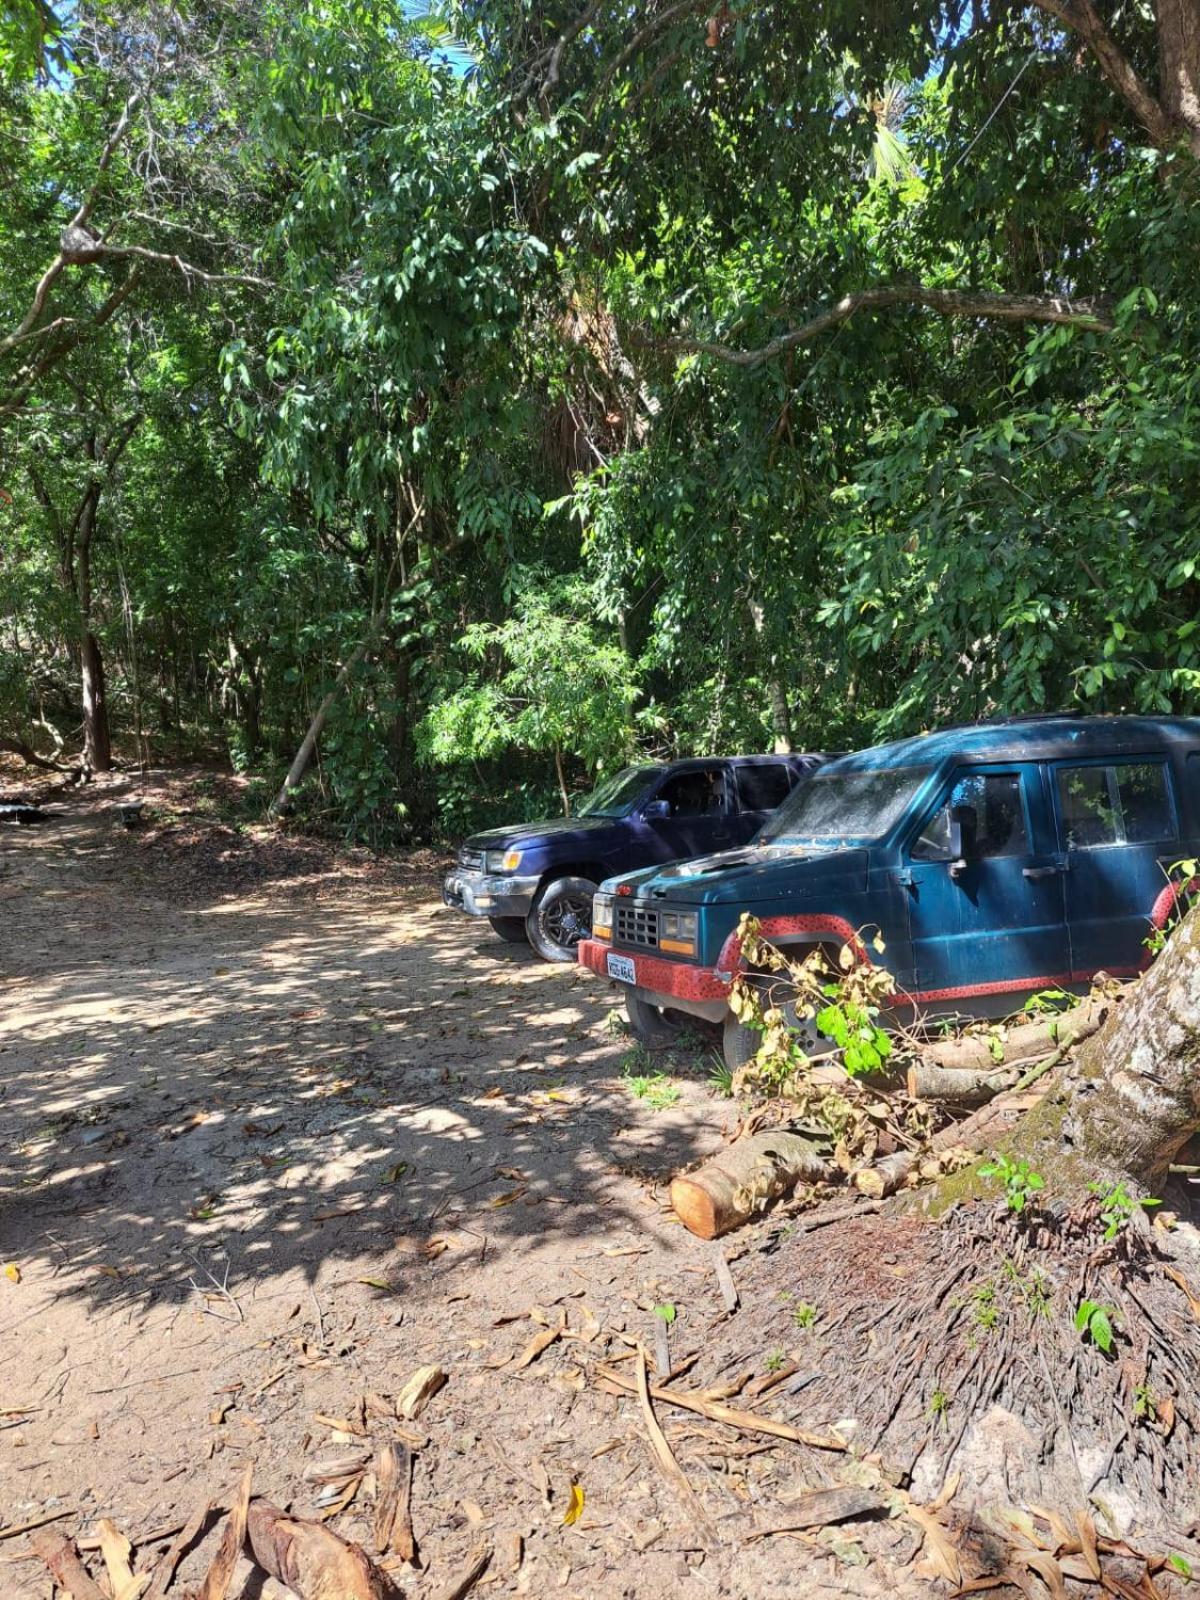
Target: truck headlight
x: 677, y: 932
x: 602, y: 916
x: 501, y: 860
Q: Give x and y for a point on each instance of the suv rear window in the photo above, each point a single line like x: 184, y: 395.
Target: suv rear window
x: 1126, y: 803
x: 764, y: 786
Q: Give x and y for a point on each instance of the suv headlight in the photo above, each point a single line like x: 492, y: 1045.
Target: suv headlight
x: 602, y: 905
x: 501, y: 860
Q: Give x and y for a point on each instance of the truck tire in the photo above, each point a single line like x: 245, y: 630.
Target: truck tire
x: 656, y: 1027
x: 739, y: 1043
x: 510, y: 929
x: 560, y: 916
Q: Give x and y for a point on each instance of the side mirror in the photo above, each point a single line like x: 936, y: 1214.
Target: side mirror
x: 962, y: 838
x: 654, y: 810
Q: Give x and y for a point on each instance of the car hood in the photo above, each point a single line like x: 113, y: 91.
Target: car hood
x: 524, y: 835
x: 769, y: 872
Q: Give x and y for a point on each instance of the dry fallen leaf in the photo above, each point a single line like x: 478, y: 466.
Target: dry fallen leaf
x: 574, y: 1506
x: 13, y: 1272
x: 506, y: 1199
x: 942, y: 1555
x: 418, y: 1391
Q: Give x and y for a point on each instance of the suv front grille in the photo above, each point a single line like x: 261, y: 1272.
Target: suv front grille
x: 636, y: 926
x: 471, y: 859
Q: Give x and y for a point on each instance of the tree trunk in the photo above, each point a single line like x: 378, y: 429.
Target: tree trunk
x: 1129, y: 1099
x: 309, y: 743
x: 562, y: 782
x: 781, y: 713
x: 1179, y: 64
x: 97, y: 744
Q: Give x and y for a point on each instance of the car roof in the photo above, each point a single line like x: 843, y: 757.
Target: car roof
x: 1034, y: 738
x: 692, y: 763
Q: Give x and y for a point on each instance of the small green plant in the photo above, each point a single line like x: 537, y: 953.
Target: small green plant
x: 1180, y: 1564
x: 985, y: 1313
x: 804, y: 1315
x: 1049, y: 1001
x: 616, y: 1025
x: 646, y: 1082
x: 1034, y: 1287
x: 1145, y: 1403
x: 1095, y: 1322
x: 1019, y: 1179
x: 1117, y: 1205
x: 666, y: 1313
x: 939, y: 1404
x: 721, y: 1079
x: 775, y: 1361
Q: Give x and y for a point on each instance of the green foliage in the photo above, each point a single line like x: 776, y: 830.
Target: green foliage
x: 646, y: 1082
x: 546, y: 680
x: 1096, y: 1322
x: 666, y: 1313
x: 1117, y: 1206
x: 1020, y: 1182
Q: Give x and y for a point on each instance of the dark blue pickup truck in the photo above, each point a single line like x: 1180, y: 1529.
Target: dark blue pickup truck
x: 536, y: 880
x: 994, y: 861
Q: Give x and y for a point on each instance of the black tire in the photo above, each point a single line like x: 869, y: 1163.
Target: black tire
x: 739, y: 1043
x: 510, y: 929
x: 656, y: 1027
x: 560, y: 916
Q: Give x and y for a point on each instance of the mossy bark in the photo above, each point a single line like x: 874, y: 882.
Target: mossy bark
x: 1125, y: 1101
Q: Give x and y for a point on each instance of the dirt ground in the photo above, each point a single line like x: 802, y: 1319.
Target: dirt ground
x: 278, y: 1129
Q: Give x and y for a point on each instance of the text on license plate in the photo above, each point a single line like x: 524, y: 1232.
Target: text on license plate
x: 621, y: 967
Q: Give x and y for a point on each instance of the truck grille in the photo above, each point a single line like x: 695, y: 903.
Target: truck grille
x: 636, y: 926
x: 471, y: 859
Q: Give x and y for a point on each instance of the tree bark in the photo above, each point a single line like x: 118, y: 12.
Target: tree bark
x: 309, y: 743
x: 1129, y: 1099
x: 743, y: 1180
x: 562, y: 782
x: 781, y: 712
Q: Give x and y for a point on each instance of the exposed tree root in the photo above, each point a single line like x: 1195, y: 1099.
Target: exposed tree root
x: 975, y: 1366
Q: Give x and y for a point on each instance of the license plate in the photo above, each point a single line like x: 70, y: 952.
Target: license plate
x: 621, y: 967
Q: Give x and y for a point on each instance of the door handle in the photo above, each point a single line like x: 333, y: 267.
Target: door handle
x: 1036, y: 873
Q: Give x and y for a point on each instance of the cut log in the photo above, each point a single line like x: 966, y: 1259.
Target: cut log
x: 958, y: 1086
x: 1021, y: 1041
x: 743, y: 1180
x: 975, y: 1132
x: 310, y: 1559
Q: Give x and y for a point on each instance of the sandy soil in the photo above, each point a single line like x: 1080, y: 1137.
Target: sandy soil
x: 278, y: 1129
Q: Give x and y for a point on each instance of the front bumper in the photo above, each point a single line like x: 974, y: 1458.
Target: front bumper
x: 679, y: 985
x: 482, y: 894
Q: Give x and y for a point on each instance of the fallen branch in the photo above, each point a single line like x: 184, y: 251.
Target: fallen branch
x: 1020, y: 1041
x: 957, y: 1086
x: 717, y: 1411
x: 662, y: 1451
x: 311, y: 1559
x: 67, y: 1570
x: 975, y: 1132
x: 740, y: 1182
x: 220, y: 1574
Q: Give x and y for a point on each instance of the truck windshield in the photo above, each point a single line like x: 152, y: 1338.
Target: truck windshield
x: 616, y: 795
x: 843, y: 809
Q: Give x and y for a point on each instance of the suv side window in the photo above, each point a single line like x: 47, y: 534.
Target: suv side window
x: 695, y: 794
x: 763, y: 786
x: 990, y: 807
x: 1126, y: 803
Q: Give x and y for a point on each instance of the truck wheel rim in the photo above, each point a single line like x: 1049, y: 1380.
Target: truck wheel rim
x: 567, y: 921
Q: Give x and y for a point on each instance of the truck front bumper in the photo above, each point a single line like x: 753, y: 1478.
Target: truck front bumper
x: 674, y: 985
x: 481, y: 894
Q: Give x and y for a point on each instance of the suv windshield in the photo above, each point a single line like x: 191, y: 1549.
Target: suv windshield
x: 843, y: 809
x: 616, y: 795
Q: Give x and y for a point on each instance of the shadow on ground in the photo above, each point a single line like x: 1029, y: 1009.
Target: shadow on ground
x: 200, y: 1088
